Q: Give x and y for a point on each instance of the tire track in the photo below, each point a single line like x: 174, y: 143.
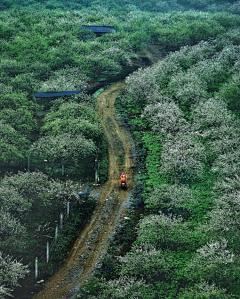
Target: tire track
x: 93, y: 241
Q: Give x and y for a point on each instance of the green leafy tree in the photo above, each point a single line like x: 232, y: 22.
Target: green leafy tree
x: 63, y: 149
x: 170, y: 198
x: 124, y: 287
x: 16, y: 100
x: 72, y: 110
x: 20, y: 119
x: 74, y: 126
x: 215, y: 263
x: 230, y: 92
x: 68, y: 78
x: 75, y: 119
x: 144, y: 260
x: 204, y: 290
x: 13, y: 146
x: 166, y: 232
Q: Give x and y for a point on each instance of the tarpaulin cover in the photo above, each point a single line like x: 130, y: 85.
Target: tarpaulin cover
x: 42, y: 94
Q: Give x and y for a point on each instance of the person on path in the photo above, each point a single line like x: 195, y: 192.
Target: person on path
x: 123, y: 178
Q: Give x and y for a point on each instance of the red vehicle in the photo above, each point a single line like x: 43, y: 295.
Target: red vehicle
x: 123, y: 180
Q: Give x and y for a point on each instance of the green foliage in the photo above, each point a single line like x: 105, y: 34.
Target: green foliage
x: 5, y: 31
x: 154, y: 5
x: 124, y: 287
x: 91, y: 288
x: 77, y: 219
x: 86, y: 35
x: 16, y: 101
x: 227, y: 20
x: 30, y: 205
x: 153, y: 146
x: 190, y: 209
x: 13, y: 146
x: 205, y: 291
x: 79, y: 122
x: 191, y: 203
x: 178, y: 31
x: 185, y: 135
x: 212, y: 261
x: 164, y: 232
x: 73, y: 118
x: 20, y: 119
x: 63, y: 149
x: 230, y: 92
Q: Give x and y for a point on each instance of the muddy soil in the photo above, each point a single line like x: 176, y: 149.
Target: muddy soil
x: 93, y: 241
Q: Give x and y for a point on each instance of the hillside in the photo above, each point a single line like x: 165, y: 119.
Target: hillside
x: 180, y: 103
x: 231, y: 6
x: 184, y: 115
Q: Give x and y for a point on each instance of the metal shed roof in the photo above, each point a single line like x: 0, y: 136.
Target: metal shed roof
x: 43, y: 94
x: 99, y: 29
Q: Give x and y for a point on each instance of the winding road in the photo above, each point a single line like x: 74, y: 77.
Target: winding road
x: 94, y: 239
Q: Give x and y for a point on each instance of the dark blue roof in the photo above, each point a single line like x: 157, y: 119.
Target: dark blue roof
x: 99, y: 29
x: 43, y: 94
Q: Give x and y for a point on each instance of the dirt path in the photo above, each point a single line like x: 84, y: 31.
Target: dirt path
x: 93, y: 241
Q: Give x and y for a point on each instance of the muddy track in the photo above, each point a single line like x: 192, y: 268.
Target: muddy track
x: 93, y: 241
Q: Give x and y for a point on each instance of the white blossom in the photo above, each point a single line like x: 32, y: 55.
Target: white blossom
x: 183, y: 157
